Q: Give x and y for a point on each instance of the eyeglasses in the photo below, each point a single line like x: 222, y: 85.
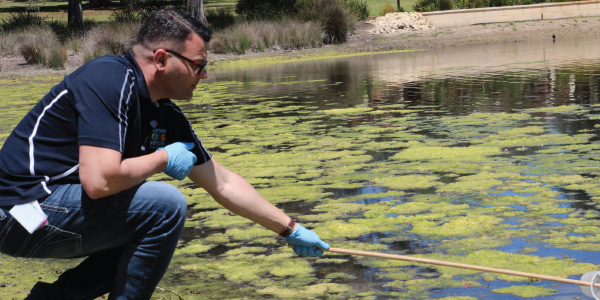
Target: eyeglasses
x: 200, y: 66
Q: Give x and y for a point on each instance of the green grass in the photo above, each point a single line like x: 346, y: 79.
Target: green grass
x: 220, y: 3
x: 375, y: 5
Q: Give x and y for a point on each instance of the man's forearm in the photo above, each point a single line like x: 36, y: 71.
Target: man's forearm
x: 102, y: 172
x: 237, y: 195
x: 242, y: 199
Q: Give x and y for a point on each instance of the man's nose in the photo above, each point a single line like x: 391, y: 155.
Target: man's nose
x: 203, y: 74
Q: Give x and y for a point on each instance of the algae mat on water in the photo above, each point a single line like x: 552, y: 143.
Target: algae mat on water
x: 493, y: 189
x: 463, y: 188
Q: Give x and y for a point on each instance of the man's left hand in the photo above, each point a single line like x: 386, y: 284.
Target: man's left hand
x: 306, y: 242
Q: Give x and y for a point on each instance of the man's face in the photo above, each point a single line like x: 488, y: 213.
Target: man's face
x: 182, y: 68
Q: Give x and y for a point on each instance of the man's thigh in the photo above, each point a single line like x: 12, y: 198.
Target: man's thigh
x: 79, y: 225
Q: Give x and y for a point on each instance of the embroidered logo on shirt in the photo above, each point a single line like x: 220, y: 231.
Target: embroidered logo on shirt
x: 158, y: 138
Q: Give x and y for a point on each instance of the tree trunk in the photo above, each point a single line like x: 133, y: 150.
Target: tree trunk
x: 196, y: 9
x: 75, y: 14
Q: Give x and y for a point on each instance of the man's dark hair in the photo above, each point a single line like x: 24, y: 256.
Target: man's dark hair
x: 171, y: 26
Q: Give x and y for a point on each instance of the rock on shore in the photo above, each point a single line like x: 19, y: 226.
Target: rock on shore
x: 399, y: 21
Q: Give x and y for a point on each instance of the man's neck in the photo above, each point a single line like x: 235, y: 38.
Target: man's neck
x: 143, y: 57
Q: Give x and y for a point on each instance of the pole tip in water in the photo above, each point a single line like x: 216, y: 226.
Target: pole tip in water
x: 593, y: 278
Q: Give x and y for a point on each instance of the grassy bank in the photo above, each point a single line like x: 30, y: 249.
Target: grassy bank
x: 307, y: 25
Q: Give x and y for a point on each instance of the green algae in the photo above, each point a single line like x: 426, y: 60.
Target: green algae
x: 525, y: 291
x: 458, y: 209
x: 564, y: 109
x: 246, y: 63
x: 447, y: 153
x: 464, y: 226
x: 408, y: 182
x: 18, y: 275
x: 195, y: 247
x: 348, y: 111
x: 316, y: 291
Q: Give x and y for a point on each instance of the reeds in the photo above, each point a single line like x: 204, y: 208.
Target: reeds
x: 110, y: 38
x: 263, y: 35
x: 39, y: 45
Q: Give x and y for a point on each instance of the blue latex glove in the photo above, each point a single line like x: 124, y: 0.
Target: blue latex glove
x: 305, y: 242
x: 181, y: 160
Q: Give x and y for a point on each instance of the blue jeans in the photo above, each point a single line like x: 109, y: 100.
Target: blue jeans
x: 129, y: 239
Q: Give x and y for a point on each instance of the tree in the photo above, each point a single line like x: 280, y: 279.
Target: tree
x: 196, y: 9
x: 75, y: 14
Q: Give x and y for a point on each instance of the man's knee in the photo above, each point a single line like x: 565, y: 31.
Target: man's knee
x: 166, y: 197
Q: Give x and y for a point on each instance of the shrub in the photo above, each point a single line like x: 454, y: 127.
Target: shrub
x: 358, y: 8
x: 138, y: 11
x: 125, y: 15
x: 265, y: 9
x: 336, y: 23
x: 31, y: 52
x: 260, y: 35
x: 386, y: 9
x: 433, y: 5
x: 445, y: 5
x: 111, y: 38
x: 56, y: 57
x: 335, y: 19
x: 493, y: 3
x: 469, y: 3
x: 220, y: 18
x: 21, y: 20
x: 10, y: 43
x: 39, y: 45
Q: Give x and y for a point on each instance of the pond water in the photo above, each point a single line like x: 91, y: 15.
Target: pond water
x: 483, y: 155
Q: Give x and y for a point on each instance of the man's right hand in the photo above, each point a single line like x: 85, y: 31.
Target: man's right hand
x: 181, y: 159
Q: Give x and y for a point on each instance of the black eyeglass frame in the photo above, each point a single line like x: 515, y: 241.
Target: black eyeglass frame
x: 200, y: 66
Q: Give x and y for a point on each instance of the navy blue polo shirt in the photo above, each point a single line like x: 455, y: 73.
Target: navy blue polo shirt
x: 104, y: 103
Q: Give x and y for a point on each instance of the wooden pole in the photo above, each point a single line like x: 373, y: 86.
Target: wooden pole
x: 459, y: 265
x: 399, y: 8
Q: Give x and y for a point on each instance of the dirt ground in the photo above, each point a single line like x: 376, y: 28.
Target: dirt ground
x: 362, y: 41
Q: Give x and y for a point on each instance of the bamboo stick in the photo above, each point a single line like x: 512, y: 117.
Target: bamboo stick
x: 459, y: 265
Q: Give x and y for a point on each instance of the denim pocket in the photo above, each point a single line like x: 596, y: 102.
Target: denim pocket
x: 46, y: 242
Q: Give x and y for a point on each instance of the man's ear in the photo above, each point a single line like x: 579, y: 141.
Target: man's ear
x: 160, y: 59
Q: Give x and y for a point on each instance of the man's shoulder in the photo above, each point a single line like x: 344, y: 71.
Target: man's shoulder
x: 109, y: 66
x: 110, y: 59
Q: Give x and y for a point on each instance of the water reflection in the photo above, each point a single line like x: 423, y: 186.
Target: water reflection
x: 493, y: 78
